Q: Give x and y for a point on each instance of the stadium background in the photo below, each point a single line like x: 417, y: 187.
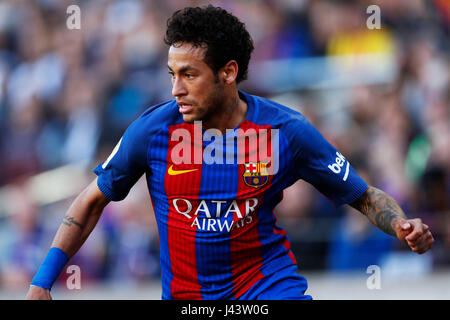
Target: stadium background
x: 381, y: 97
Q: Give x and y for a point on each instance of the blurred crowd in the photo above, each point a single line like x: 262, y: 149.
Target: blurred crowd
x: 67, y: 95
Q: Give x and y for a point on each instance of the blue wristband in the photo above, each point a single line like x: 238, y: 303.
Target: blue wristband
x: 50, y: 269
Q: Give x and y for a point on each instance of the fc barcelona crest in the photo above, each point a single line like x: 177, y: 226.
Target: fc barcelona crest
x: 256, y: 174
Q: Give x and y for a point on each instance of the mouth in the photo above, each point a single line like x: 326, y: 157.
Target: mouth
x: 185, y: 108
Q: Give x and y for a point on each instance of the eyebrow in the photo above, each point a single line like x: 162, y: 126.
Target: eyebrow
x: 183, y: 69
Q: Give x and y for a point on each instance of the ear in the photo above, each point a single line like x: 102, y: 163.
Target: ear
x: 229, y: 72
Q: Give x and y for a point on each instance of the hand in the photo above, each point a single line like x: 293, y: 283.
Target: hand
x: 415, y: 233
x: 38, y: 293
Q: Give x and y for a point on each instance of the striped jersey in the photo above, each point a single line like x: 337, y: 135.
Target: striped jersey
x: 214, y: 194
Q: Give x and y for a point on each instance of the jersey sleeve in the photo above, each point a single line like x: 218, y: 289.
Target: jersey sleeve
x: 316, y: 161
x: 126, y: 164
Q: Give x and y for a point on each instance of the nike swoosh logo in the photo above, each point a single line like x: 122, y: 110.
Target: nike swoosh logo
x: 176, y: 172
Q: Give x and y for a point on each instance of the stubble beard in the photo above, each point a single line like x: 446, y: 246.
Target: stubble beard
x: 213, y: 105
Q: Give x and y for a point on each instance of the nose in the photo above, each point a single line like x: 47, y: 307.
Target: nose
x: 178, y: 87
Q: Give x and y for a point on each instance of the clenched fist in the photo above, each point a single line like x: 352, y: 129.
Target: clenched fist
x: 415, y: 233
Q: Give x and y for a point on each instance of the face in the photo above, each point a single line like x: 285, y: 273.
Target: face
x: 198, y: 91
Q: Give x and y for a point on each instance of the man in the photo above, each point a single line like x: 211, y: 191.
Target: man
x: 216, y: 161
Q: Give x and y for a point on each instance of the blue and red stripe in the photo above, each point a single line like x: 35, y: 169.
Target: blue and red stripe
x: 246, y: 246
x: 181, y: 233
x: 206, y: 262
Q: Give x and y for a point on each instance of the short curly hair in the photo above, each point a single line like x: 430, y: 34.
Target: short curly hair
x: 224, y: 35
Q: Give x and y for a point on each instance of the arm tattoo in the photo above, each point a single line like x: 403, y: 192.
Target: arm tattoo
x: 69, y: 221
x: 381, y: 209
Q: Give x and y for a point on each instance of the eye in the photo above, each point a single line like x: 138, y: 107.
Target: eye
x: 189, y: 75
x: 171, y: 74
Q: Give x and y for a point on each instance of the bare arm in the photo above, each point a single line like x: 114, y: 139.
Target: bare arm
x: 385, y: 213
x: 380, y: 208
x: 80, y: 219
x: 77, y: 225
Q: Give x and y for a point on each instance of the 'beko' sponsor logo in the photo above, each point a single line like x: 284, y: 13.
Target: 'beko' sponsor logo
x: 339, y: 164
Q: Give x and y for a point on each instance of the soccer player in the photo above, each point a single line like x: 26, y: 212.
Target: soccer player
x: 216, y: 160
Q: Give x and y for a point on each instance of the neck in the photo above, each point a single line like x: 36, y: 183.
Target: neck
x: 232, y: 113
